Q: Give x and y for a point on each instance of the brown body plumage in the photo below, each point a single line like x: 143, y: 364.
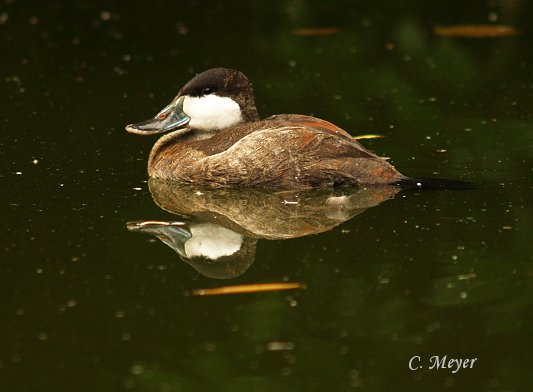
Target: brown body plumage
x: 287, y: 151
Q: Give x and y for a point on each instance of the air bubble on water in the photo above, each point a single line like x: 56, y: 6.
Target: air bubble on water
x: 137, y: 369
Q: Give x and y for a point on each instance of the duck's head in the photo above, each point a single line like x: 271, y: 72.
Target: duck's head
x: 211, y: 101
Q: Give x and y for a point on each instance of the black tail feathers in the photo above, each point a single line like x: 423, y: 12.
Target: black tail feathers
x: 433, y: 184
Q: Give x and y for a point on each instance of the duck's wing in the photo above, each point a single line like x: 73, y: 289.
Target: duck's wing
x: 226, y: 138
x: 319, y: 126
x: 309, y: 121
x: 301, y: 152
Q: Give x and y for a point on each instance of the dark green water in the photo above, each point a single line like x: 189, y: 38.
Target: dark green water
x: 87, y: 305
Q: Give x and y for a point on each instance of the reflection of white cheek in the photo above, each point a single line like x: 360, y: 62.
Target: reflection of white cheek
x: 212, y: 241
x: 212, y: 112
x: 338, y: 201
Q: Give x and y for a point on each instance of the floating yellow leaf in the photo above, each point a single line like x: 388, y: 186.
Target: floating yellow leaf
x: 315, y: 31
x: 476, y: 31
x: 369, y: 136
x: 248, y: 288
x: 280, y: 346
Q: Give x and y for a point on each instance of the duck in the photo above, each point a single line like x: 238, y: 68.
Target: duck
x: 213, y: 136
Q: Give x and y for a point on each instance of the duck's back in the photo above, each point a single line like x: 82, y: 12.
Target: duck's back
x: 289, y: 151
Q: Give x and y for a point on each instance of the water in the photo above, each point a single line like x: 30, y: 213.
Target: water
x: 89, y: 305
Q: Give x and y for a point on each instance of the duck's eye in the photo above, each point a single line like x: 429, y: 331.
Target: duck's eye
x: 162, y: 116
x: 207, y: 91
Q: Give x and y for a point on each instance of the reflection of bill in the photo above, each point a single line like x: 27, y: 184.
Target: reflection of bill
x: 201, y: 239
x: 219, y: 228
x: 212, y: 250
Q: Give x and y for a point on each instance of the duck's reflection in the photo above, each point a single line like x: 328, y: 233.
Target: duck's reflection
x: 218, y: 229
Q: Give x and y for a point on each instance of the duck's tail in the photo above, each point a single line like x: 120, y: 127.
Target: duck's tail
x: 433, y: 184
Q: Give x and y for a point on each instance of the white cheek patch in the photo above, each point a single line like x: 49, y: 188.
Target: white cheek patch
x: 211, y: 112
x: 212, y: 241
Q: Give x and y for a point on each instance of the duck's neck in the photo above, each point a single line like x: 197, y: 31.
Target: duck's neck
x: 249, y: 114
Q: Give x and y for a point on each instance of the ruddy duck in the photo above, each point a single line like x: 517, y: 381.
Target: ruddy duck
x: 217, y: 138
